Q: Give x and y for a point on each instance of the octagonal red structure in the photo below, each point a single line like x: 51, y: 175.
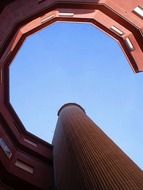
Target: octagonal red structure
x: 26, y: 160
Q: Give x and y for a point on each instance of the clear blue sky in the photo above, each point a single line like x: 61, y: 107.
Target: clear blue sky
x: 69, y: 62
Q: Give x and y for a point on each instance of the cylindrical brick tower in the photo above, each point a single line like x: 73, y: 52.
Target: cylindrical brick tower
x: 85, y: 158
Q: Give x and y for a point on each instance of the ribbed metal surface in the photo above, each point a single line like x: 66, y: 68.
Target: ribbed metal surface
x: 85, y: 158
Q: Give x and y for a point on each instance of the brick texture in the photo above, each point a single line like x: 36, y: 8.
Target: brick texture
x: 86, y: 158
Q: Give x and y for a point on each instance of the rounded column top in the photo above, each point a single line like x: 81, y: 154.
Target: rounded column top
x: 70, y: 104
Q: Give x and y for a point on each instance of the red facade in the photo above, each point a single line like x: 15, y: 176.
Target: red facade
x: 25, y: 160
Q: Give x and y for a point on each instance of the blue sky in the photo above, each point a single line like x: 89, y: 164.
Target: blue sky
x: 70, y: 62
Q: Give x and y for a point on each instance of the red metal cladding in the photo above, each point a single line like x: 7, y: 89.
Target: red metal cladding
x: 19, y: 149
x: 85, y: 158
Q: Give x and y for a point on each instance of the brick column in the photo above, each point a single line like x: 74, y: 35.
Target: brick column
x: 85, y: 158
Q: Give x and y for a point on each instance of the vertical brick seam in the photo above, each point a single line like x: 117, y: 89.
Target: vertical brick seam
x: 89, y: 159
